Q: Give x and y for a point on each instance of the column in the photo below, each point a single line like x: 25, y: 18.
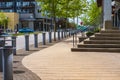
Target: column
x: 107, y: 10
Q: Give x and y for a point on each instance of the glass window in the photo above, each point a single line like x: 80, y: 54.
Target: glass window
x: 9, y: 4
x: 18, y: 4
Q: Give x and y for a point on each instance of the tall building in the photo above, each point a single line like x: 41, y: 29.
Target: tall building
x: 28, y: 11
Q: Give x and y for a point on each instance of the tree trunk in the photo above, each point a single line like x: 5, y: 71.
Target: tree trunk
x: 54, y: 21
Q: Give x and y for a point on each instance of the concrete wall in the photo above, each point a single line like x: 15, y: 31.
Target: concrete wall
x: 13, y: 20
x: 107, y: 12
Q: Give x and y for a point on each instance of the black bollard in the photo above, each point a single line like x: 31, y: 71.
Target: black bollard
x: 27, y: 42
x: 44, y: 38
x: 73, y: 40
x: 58, y: 35
x: 62, y: 34
x: 7, y: 57
x: 2, y: 43
x: 1, y: 61
x: 36, y: 40
x: 69, y: 33
x: 50, y: 37
x: 14, y: 44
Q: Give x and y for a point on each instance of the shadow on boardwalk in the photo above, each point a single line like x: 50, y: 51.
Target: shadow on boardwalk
x: 19, y: 71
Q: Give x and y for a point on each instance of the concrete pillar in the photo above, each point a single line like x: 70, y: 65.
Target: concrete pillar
x: 107, y: 11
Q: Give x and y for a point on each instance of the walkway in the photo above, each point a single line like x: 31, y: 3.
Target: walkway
x: 59, y: 63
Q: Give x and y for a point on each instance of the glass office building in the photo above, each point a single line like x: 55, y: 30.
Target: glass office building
x: 28, y: 13
x: 19, y: 6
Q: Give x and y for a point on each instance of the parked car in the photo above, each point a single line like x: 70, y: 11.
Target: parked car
x: 26, y: 30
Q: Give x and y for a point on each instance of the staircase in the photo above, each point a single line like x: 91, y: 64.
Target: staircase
x: 105, y: 41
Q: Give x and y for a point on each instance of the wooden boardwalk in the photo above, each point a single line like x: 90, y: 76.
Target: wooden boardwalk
x: 59, y: 63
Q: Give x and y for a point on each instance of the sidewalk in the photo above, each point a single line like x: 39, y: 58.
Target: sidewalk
x: 59, y: 63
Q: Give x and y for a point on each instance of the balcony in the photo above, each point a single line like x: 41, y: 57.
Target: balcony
x: 6, y: 7
x: 31, y: 5
x: 28, y: 0
x: 26, y: 16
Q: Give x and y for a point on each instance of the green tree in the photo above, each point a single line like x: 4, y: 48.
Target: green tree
x: 62, y: 9
x: 3, y: 20
x: 92, y: 15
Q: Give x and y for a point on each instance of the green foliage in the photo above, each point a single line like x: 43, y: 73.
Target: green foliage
x: 97, y: 29
x: 72, y: 25
x: 89, y: 33
x: 62, y: 8
x: 3, y: 20
x: 92, y: 15
x: 63, y: 23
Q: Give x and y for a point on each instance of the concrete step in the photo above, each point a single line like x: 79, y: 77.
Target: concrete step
x: 95, y: 49
x: 82, y: 38
x: 104, y: 38
x: 98, y: 45
x: 110, y: 31
x: 107, y: 35
x: 101, y: 42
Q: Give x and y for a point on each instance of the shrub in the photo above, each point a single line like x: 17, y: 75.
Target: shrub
x: 97, y: 29
x: 89, y: 33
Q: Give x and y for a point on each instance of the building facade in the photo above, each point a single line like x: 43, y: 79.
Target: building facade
x: 29, y: 15
x: 13, y: 20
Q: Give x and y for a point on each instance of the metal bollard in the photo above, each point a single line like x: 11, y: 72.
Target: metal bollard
x: 36, y: 40
x: 58, y: 35
x: 62, y: 34
x: 73, y: 40
x: 50, y: 37
x: 27, y: 42
x: 1, y: 69
x: 7, y: 57
x: 2, y: 43
x: 44, y: 38
x: 69, y: 33
x: 14, y: 44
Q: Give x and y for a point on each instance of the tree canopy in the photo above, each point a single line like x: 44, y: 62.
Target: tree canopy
x: 63, y: 8
x: 92, y: 15
x: 3, y: 20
